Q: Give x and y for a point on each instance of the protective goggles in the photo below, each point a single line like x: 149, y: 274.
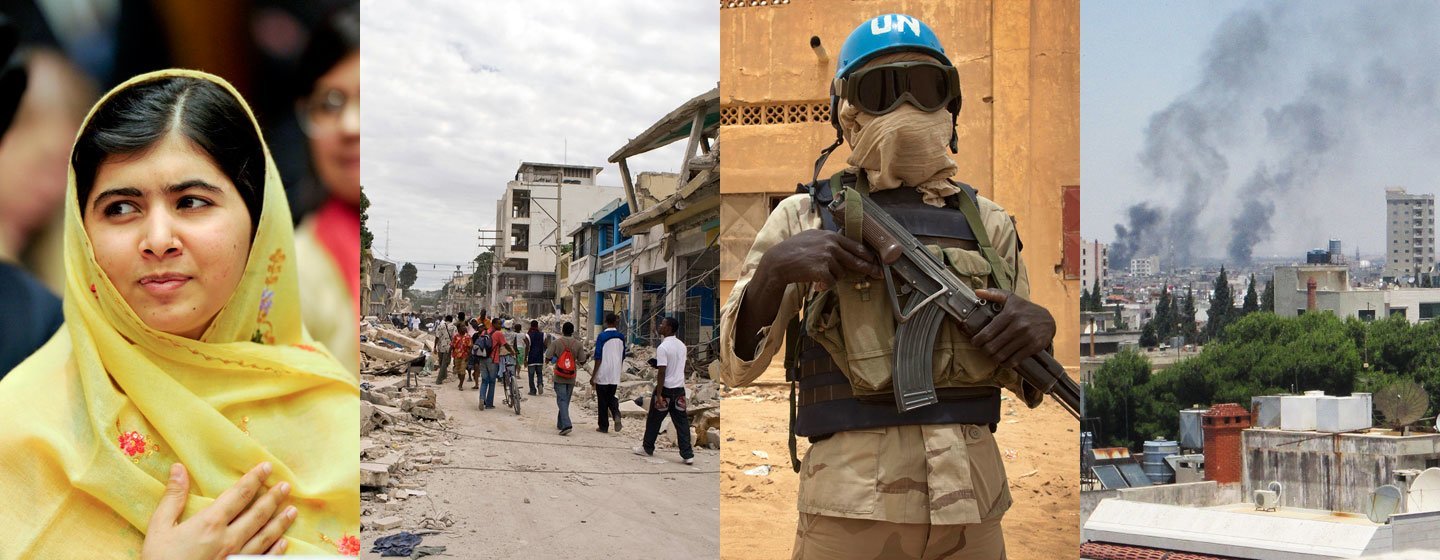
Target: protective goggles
x: 880, y: 89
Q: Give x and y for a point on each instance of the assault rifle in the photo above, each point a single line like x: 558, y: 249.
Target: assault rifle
x: 933, y: 292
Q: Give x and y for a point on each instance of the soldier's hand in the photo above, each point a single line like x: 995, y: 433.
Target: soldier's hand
x: 816, y: 255
x: 1021, y: 330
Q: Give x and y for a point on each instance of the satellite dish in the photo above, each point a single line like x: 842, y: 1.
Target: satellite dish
x: 1384, y: 502
x: 1401, y: 403
x: 1425, y: 492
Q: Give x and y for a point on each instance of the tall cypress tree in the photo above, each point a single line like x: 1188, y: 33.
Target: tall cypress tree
x: 1252, y: 301
x: 1164, y: 316
x: 1187, y: 318
x: 1267, y: 298
x: 1222, y: 306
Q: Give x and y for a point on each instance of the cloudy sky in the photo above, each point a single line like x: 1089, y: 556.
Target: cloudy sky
x: 1256, y: 127
x: 457, y: 94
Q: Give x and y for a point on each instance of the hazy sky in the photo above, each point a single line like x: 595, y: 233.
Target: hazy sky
x: 1256, y: 126
x: 458, y: 94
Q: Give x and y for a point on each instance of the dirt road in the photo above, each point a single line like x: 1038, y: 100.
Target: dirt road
x: 1041, y: 448
x: 517, y: 489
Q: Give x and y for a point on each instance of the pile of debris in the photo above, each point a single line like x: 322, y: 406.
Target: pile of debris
x: 385, y: 351
x: 636, y: 393
x: 395, y: 447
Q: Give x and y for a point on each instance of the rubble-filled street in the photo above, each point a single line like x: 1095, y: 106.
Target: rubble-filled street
x: 757, y: 482
x: 494, y: 484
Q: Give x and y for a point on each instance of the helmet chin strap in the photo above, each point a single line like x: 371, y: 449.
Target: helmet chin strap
x: 825, y: 154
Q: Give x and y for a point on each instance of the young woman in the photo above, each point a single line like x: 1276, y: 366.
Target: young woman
x: 181, y: 411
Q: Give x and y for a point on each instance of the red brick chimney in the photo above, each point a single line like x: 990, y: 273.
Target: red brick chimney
x: 1310, y: 304
x: 1222, y: 425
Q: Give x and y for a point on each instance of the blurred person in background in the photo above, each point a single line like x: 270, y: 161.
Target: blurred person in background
x: 327, y: 242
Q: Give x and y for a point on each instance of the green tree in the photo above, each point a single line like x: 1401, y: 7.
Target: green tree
x: 484, y: 267
x: 1119, y: 319
x: 1222, y: 306
x: 408, y: 273
x: 1188, y: 328
x: 366, y: 238
x: 1147, y: 335
x: 1252, y: 302
x: 1113, y: 394
x: 1084, y: 300
x: 1267, y: 298
x: 1164, y: 319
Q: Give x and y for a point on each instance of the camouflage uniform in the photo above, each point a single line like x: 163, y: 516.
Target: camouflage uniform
x: 870, y: 493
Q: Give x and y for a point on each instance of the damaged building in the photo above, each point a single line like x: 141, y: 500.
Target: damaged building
x: 654, y: 252
x: 540, y: 204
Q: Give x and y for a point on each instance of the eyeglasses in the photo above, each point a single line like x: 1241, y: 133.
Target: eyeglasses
x: 881, y: 89
x: 322, y: 113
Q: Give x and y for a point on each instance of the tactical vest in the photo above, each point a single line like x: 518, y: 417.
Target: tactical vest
x: 825, y: 397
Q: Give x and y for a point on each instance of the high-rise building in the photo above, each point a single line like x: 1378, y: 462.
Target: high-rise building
x: 1409, y: 235
x: 542, y: 204
x: 1145, y: 266
x: 1094, y: 264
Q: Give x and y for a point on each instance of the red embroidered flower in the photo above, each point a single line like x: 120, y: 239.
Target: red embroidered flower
x: 349, y: 545
x: 132, y: 443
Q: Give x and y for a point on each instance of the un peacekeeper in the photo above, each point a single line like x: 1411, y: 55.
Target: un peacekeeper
x: 878, y: 483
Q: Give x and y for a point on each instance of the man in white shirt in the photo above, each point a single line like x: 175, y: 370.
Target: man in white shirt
x: 609, y: 362
x: 669, y: 395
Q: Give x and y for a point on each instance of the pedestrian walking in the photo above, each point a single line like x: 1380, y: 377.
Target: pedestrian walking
x: 669, y: 397
x: 535, y: 358
x: 568, y: 353
x: 444, y: 332
x: 610, y: 355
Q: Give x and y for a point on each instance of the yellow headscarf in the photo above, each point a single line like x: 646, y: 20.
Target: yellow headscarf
x: 91, y: 423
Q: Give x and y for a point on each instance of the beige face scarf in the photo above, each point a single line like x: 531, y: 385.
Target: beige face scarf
x: 906, y: 147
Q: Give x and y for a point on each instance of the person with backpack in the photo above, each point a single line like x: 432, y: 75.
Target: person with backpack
x: 535, y: 358
x: 443, y: 333
x: 568, y: 353
x: 495, y: 341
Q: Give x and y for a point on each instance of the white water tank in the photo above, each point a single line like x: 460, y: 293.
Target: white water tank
x: 1341, y: 414
x: 1297, y: 414
x: 1265, y: 412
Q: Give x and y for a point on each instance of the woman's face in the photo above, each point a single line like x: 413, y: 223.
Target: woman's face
x: 334, y: 113
x: 171, y: 232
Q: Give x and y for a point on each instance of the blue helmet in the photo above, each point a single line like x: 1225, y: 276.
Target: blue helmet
x: 885, y: 34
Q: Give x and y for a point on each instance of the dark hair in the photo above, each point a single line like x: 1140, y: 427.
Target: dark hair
x: 135, y: 119
x: 336, y: 37
x: 534, y: 324
x: 567, y: 329
x: 449, y: 317
x: 461, y: 315
x: 673, y: 323
x: 611, y: 319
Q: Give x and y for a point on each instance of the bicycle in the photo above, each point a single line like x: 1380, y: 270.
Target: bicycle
x: 512, y: 390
